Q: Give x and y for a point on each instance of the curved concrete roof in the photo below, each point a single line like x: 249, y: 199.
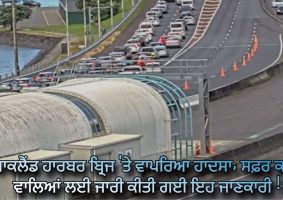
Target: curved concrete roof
x: 125, y: 106
x: 35, y: 120
x: 42, y: 120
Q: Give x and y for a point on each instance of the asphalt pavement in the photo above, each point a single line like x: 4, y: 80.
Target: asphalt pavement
x: 229, y: 38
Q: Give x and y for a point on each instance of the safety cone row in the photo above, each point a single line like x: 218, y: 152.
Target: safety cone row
x: 247, y: 58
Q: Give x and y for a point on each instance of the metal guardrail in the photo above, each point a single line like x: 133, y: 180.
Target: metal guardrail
x: 98, y: 42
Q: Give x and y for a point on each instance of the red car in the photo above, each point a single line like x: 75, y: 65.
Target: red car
x: 45, y: 77
x: 143, y: 60
x: 163, y: 39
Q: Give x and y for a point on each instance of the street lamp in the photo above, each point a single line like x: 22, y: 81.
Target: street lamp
x: 85, y: 34
x: 16, y: 53
x: 99, y: 20
x: 67, y: 28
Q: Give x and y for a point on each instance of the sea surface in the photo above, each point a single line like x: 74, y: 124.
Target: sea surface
x: 7, y: 58
x: 46, y: 3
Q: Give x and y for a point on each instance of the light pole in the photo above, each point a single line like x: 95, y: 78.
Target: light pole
x: 16, y: 52
x: 85, y: 34
x: 123, y: 7
x: 89, y: 24
x: 67, y: 28
x: 99, y: 20
x: 111, y: 11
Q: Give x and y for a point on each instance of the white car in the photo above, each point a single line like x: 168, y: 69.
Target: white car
x: 132, y: 69
x: 276, y: 3
x: 154, y: 21
x: 134, y: 47
x: 153, y: 67
x: 176, y: 35
x: 173, y: 42
x: 146, y: 27
x: 189, y: 20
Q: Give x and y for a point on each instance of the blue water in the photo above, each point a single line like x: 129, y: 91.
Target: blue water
x: 49, y: 3
x: 46, y: 3
x: 7, y: 58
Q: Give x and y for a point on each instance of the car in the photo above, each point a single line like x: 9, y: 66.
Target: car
x: 189, y: 20
x: 136, y: 40
x: 149, y: 51
x: 176, y: 35
x: 153, y: 21
x: 178, y: 32
x: 163, y: 8
x: 177, y: 26
x: 125, y: 50
x: 162, y: 51
x: 172, y: 42
x: 183, y: 21
x: 132, y: 69
x: 153, y: 67
x: 45, y: 78
x: 146, y: 27
x: 82, y: 68
x: 134, y: 47
x: 25, y: 82
x: 158, y: 10
x: 276, y: 3
x: 185, y: 11
x: 117, y: 56
x: 162, y: 39
x: 145, y: 35
x: 10, y: 87
x: 279, y: 10
x: 142, y: 60
x: 30, y: 3
x: 152, y: 14
x: 178, y: 2
x: 189, y: 3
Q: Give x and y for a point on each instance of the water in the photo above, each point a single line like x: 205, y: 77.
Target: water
x: 49, y: 3
x: 7, y: 58
x: 46, y: 3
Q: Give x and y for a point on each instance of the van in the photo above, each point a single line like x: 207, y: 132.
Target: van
x: 146, y: 26
x: 188, y: 3
x: 276, y: 3
x: 177, y: 25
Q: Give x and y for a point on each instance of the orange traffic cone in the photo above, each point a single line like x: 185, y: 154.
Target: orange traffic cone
x: 198, y: 149
x: 252, y: 53
x: 249, y: 58
x: 244, y: 63
x: 235, y: 67
x: 222, y: 72
x: 256, y: 40
x: 186, y: 85
x: 211, y: 149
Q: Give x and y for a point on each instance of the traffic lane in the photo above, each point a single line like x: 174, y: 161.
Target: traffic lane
x: 165, y: 24
x: 255, y: 111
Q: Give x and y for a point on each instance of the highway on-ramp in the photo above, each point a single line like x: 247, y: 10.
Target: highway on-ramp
x: 229, y: 38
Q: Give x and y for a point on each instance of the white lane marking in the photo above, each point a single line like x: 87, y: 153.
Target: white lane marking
x: 45, y: 18
x: 186, y: 47
x: 268, y: 130
x: 279, y: 56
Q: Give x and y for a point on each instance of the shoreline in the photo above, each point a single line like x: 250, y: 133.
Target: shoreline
x: 43, y: 43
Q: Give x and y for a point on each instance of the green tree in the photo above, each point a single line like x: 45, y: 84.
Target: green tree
x: 22, y: 12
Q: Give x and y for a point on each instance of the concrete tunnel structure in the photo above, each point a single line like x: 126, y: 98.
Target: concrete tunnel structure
x: 84, y: 108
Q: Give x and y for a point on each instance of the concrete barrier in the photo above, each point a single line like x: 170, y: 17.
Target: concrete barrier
x: 251, y: 149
